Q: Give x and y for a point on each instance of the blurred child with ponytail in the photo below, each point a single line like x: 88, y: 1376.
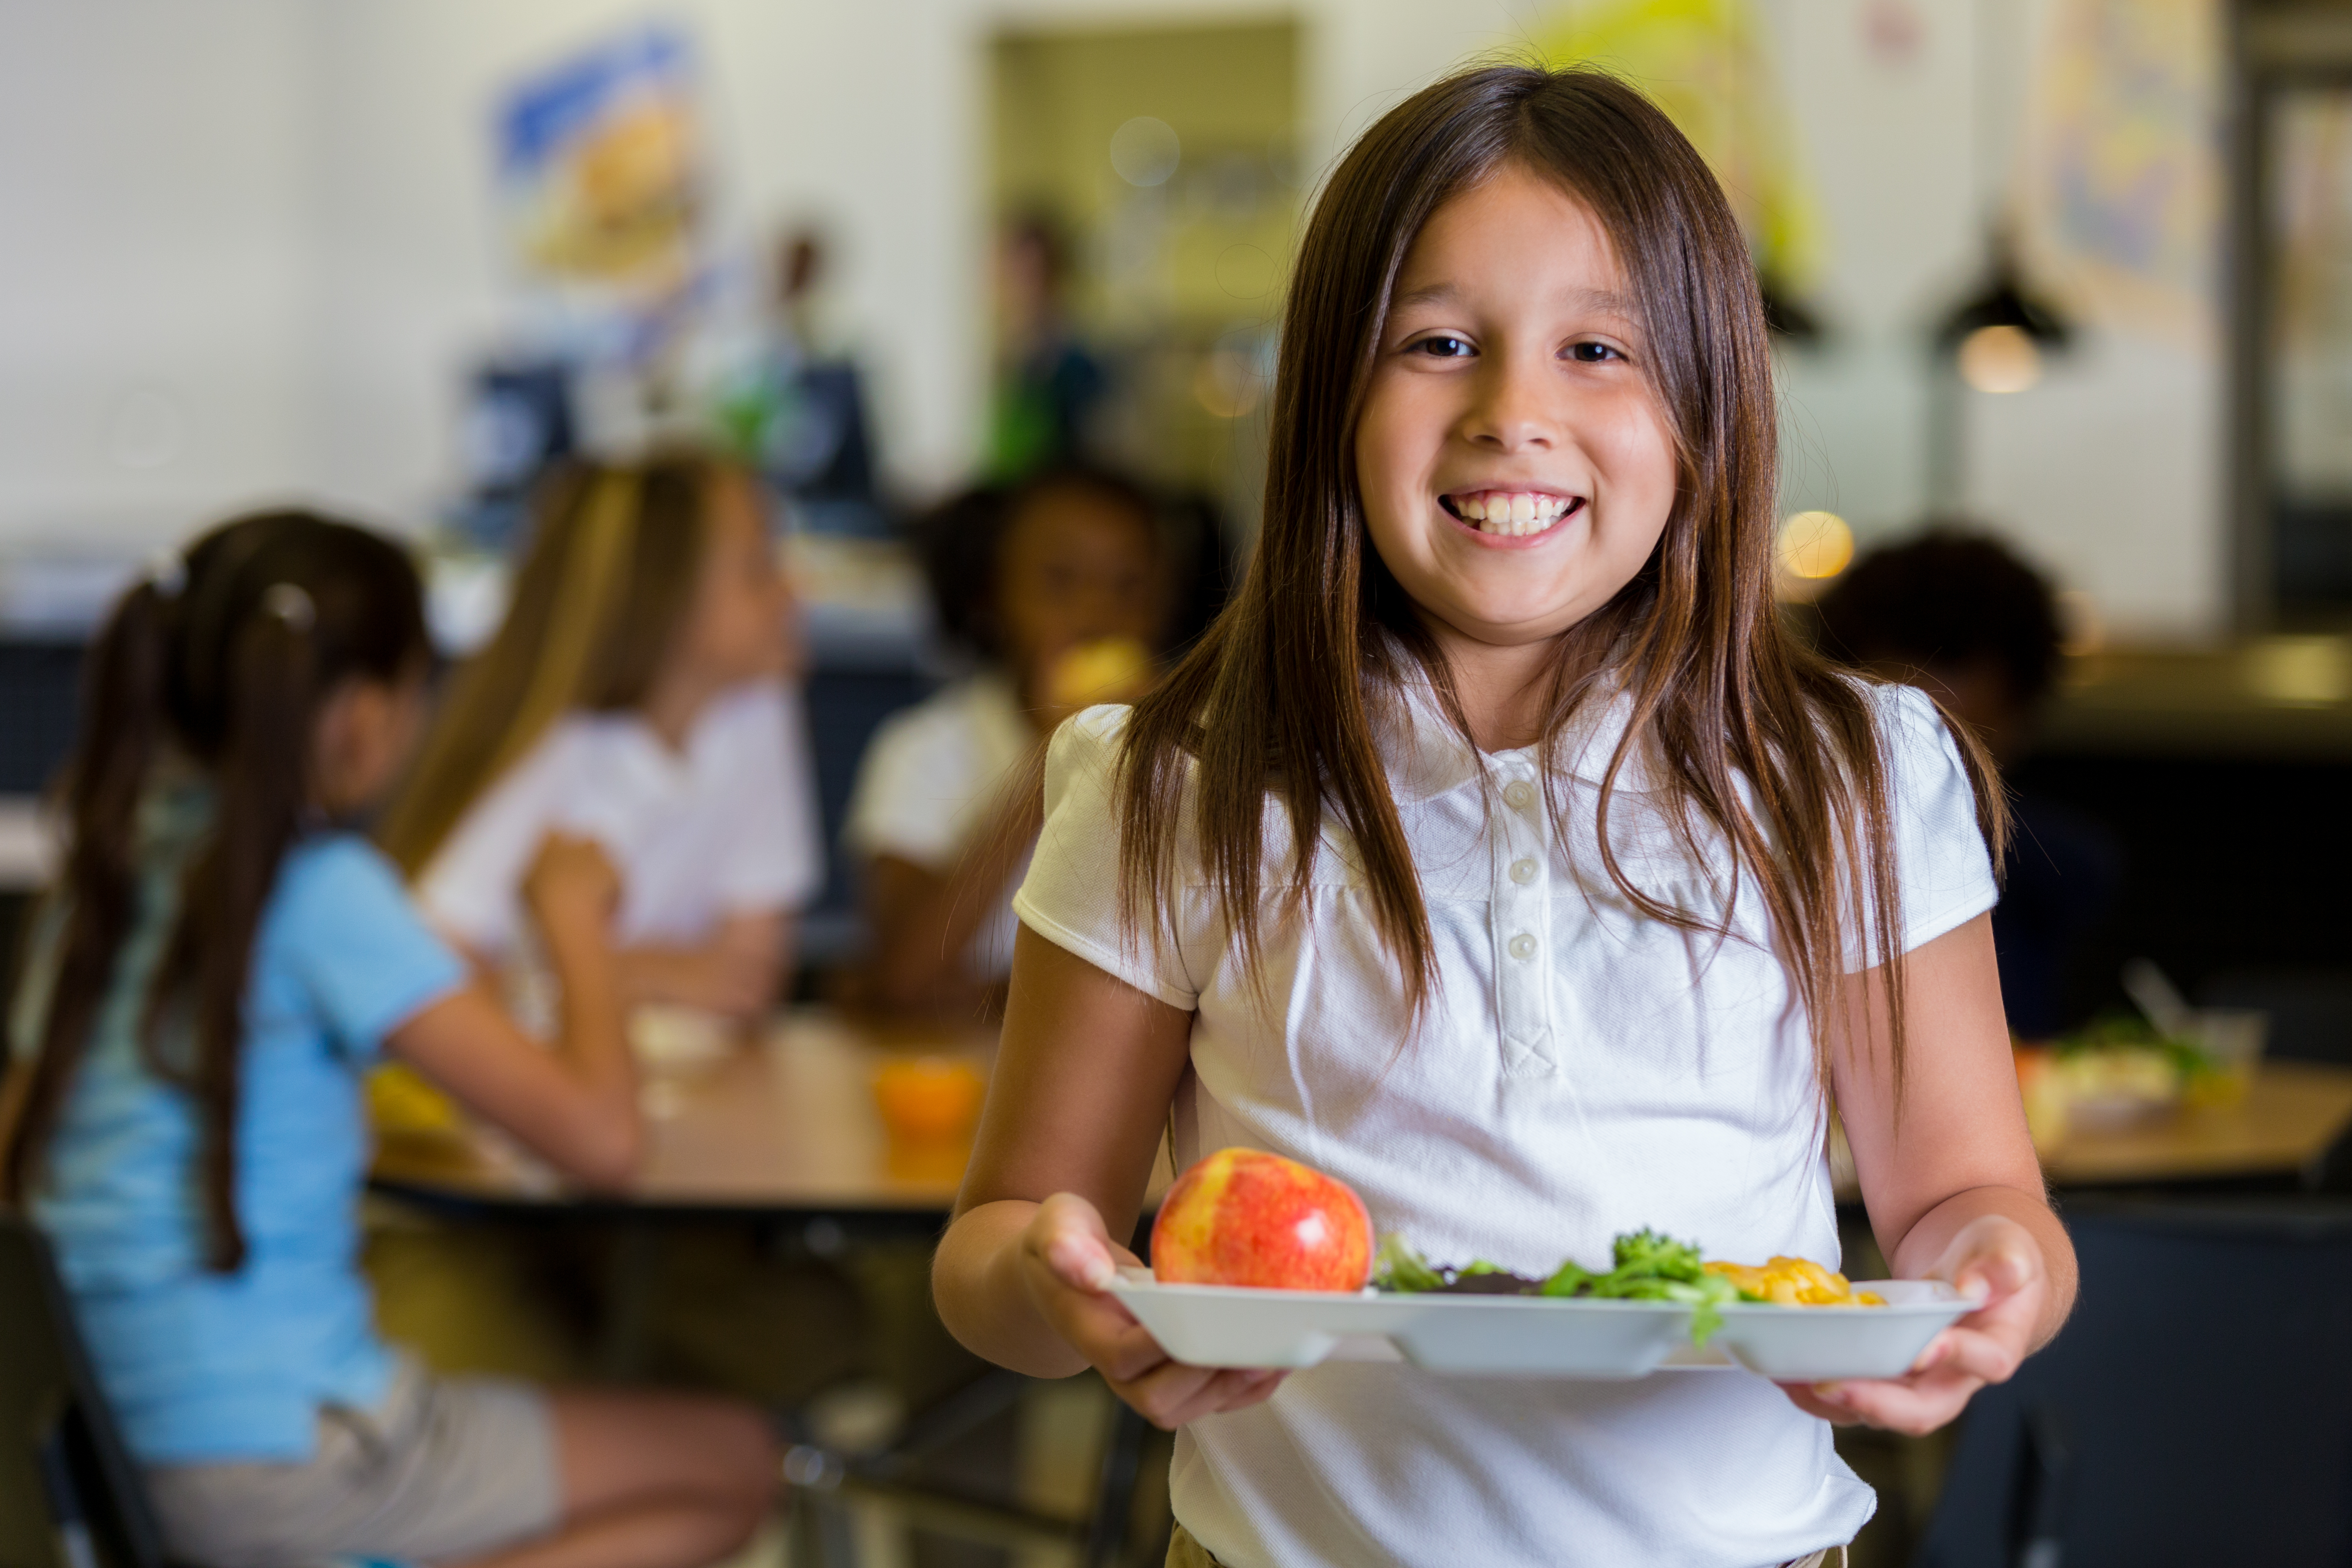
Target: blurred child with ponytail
x: 219, y: 962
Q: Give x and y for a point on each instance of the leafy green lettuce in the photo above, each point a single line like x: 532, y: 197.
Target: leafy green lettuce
x: 1645, y: 1267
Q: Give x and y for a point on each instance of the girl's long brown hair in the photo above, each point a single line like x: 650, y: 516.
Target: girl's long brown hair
x: 226, y: 672
x: 1278, y: 700
x: 615, y: 552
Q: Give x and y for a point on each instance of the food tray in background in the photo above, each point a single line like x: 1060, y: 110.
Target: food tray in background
x: 1218, y: 1325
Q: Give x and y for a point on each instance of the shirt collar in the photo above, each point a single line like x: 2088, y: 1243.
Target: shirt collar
x: 1427, y: 757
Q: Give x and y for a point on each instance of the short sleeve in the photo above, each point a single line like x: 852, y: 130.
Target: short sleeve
x: 775, y: 858
x: 470, y: 890
x: 355, y: 945
x: 1944, y: 873
x: 1071, y: 896
x: 910, y: 788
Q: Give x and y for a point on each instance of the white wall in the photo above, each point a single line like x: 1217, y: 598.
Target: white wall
x: 2110, y: 472
x: 278, y: 217
x: 154, y: 262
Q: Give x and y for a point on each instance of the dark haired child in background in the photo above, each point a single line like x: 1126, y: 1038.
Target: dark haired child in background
x: 1955, y: 613
x: 217, y: 969
x: 1023, y: 578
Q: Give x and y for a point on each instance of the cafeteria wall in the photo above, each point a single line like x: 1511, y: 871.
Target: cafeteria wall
x: 156, y: 263
x: 247, y: 248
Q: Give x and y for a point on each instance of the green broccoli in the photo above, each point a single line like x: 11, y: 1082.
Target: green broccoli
x: 1568, y: 1279
x: 1397, y: 1266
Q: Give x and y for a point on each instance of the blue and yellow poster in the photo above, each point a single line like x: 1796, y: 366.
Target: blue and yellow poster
x: 600, y: 167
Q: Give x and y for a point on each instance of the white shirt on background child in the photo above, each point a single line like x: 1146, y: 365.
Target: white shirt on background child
x: 929, y: 781
x: 728, y: 825
x: 1581, y: 1071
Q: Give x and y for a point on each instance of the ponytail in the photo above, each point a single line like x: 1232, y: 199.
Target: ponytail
x: 277, y: 610
x: 98, y: 795
x: 262, y: 773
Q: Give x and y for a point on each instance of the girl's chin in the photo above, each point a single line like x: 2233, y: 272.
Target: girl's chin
x: 1504, y: 617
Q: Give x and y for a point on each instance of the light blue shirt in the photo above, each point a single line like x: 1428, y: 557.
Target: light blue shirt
x: 204, y: 1367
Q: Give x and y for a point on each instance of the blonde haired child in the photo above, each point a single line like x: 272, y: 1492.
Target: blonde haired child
x: 633, y: 695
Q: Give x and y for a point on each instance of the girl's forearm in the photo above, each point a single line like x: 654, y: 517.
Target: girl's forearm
x: 976, y: 1280
x: 592, y: 1041
x: 1926, y: 1242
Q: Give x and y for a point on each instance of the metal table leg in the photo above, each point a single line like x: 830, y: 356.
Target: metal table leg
x: 1106, y: 1530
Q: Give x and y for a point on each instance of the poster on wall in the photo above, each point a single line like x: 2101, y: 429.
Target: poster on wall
x: 2123, y: 173
x: 1707, y: 64
x: 603, y: 177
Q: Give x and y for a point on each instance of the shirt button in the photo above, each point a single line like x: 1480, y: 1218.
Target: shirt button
x: 1523, y: 871
x: 1523, y: 946
x: 1520, y: 794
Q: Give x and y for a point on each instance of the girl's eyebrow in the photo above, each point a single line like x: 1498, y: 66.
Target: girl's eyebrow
x: 1600, y: 301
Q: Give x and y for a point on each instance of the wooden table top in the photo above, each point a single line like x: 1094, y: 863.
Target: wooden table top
x: 2292, y: 1113
x: 787, y: 1124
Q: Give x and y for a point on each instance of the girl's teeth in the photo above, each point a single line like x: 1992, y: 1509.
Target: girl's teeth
x: 1514, y: 513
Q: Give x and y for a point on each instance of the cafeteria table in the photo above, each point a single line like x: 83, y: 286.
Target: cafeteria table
x: 782, y: 1131
x: 2292, y: 1115
x: 787, y: 1131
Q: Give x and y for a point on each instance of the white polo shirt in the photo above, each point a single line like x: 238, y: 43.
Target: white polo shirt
x: 1581, y: 1070
x: 726, y: 827
x: 928, y: 782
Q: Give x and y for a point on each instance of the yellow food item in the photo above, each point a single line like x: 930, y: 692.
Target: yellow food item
x: 1112, y: 669
x: 400, y: 1101
x: 1795, y: 1282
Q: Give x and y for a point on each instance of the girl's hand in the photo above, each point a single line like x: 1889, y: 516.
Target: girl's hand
x: 1067, y: 1262
x: 735, y: 973
x: 1991, y: 1256
x: 572, y: 887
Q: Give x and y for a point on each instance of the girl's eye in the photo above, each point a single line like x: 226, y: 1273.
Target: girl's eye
x: 1443, y: 347
x: 1592, y: 354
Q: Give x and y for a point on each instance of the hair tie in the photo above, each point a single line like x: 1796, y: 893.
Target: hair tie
x: 167, y: 572
x: 291, y: 604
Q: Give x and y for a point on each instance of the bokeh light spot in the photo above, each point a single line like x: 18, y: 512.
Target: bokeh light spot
x: 1146, y: 151
x: 1815, y: 545
x: 2000, y: 359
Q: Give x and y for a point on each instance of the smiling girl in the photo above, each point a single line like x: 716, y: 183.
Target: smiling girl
x: 1498, y: 853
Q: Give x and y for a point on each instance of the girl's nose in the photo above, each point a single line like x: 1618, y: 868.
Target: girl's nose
x: 1510, y: 413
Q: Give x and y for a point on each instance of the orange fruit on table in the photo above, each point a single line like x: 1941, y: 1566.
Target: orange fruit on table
x: 929, y: 1097
x: 1243, y: 1216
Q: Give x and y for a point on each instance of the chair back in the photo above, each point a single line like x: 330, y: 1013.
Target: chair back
x: 69, y: 1495
x: 2198, y: 1409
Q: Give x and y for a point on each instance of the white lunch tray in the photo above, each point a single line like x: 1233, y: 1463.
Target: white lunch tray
x: 1224, y: 1325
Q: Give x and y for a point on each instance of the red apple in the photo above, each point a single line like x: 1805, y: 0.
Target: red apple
x: 1246, y: 1218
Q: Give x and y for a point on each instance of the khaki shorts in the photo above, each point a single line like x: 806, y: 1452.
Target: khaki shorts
x: 443, y: 1467
x: 1184, y: 1552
